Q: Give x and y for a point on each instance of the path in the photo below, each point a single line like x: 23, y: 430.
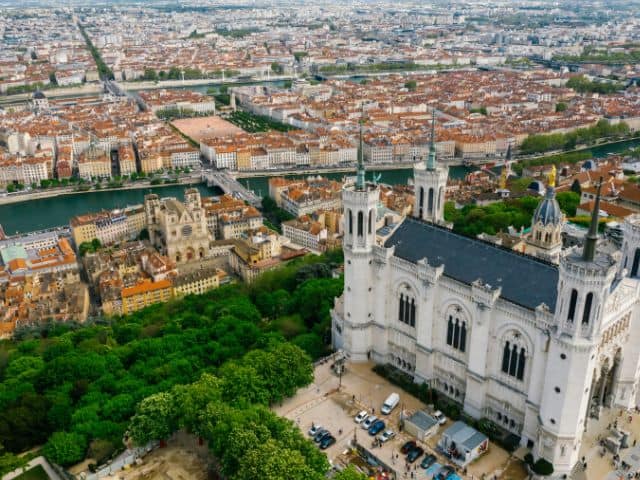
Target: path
x: 36, y: 461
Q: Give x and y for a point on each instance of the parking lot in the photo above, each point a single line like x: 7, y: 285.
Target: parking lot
x: 361, y: 389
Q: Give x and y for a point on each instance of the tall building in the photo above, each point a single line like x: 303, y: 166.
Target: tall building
x: 535, y: 347
x: 178, y: 229
x: 430, y: 180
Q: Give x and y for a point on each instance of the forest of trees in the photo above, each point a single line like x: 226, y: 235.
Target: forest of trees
x: 74, y: 388
x: 568, y: 141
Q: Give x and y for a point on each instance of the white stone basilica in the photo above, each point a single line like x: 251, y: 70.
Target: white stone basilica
x: 535, y: 346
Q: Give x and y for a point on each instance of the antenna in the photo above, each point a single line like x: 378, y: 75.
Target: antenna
x: 589, y: 252
x: 360, y: 173
x: 431, y: 158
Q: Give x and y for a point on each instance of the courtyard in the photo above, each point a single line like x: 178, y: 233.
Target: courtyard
x: 333, y: 402
x: 198, y: 128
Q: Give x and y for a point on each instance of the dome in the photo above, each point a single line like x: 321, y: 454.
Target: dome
x: 548, y: 210
x: 536, y: 186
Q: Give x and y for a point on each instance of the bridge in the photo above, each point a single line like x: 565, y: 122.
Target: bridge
x: 229, y: 185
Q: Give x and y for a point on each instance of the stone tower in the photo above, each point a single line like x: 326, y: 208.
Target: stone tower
x: 360, y: 202
x: 430, y: 181
x: 545, y: 239
x: 571, y: 378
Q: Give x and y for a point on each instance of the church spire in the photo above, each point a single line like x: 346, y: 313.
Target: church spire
x: 589, y: 252
x: 360, y: 174
x: 431, y: 159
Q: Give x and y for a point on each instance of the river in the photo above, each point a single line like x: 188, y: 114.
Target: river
x: 55, y: 211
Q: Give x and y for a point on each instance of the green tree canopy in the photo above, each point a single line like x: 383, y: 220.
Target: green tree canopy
x: 65, y: 448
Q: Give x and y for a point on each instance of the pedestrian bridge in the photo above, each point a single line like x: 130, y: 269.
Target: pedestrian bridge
x: 229, y: 185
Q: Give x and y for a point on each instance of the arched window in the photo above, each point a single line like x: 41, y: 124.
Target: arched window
x: 360, y: 224
x: 514, y: 359
x: 440, y: 198
x: 506, y: 353
x: 572, y: 305
x: 350, y: 223
x: 636, y: 261
x: 370, y: 221
x: 521, y: 362
x: 587, y: 308
x: 407, y: 310
x: 456, y: 330
x: 421, y: 204
x: 456, y: 333
x: 430, y: 204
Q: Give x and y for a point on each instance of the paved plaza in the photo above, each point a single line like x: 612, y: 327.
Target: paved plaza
x: 362, y: 389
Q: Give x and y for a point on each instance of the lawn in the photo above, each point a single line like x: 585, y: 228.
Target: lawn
x: 36, y: 473
x: 256, y: 123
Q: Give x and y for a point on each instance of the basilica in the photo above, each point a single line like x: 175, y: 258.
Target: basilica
x: 537, y: 342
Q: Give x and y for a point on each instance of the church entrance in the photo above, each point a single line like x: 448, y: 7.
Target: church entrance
x: 602, y: 385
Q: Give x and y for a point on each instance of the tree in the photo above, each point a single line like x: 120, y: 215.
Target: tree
x: 155, y: 419
x: 350, y: 473
x: 65, y: 448
x: 411, y: 85
x: 576, y: 187
x: 277, y: 68
x: 542, y: 467
x: 568, y: 202
x: 269, y: 461
x: 561, y: 107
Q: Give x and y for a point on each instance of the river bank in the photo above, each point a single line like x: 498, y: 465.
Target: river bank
x: 83, y: 90
x: 57, y: 192
x: 148, y: 85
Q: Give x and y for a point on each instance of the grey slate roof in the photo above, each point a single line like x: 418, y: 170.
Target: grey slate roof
x: 422, y: 420
x: 525, y: 281
x: 463, y: 434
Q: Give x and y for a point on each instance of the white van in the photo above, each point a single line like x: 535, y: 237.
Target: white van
x: 390, y: 403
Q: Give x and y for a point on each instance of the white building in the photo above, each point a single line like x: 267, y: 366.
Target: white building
x: 536, y: 347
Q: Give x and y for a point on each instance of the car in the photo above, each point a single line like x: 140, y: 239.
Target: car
x: 439, y: 416
x: 321, y: 433
x: 407, y: 447
x: 414, y: 454
x: 386, y: 436
x: 370, y: 420
x: 444, y: 473
x: 315, y: 428
x: 377, y: 427
x: 327, y: 442
x: 361, y: 417
x: 427, y: 461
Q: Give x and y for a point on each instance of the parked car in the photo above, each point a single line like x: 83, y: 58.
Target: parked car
x: 390, y: 403
x: 370, y: 420
x: 386, y: 435
x: 321, y: 433
x: 327, y: 441
x: 376, y: 428
x: 439, y: 416
x: 315, y: 428
x: 444, y: 473
x: 414, y: 454
x: 361, y: 417
x: 428, y: 460
x: 410, y: 445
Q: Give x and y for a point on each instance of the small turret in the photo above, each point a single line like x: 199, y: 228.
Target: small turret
x: 431, y: 158
x: 360, y: 180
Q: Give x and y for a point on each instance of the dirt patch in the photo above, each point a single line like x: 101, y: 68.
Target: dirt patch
x: 206, y: 127
x: 182, y: 459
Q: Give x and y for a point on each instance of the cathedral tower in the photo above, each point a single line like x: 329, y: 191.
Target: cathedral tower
x: 545, y: 239
x: 570, y: 382
x: 360, y: 203
x: 430, y: 181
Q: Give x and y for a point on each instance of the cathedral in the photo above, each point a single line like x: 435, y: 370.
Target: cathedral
x: 178, y: 229
x: 536, y: 343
